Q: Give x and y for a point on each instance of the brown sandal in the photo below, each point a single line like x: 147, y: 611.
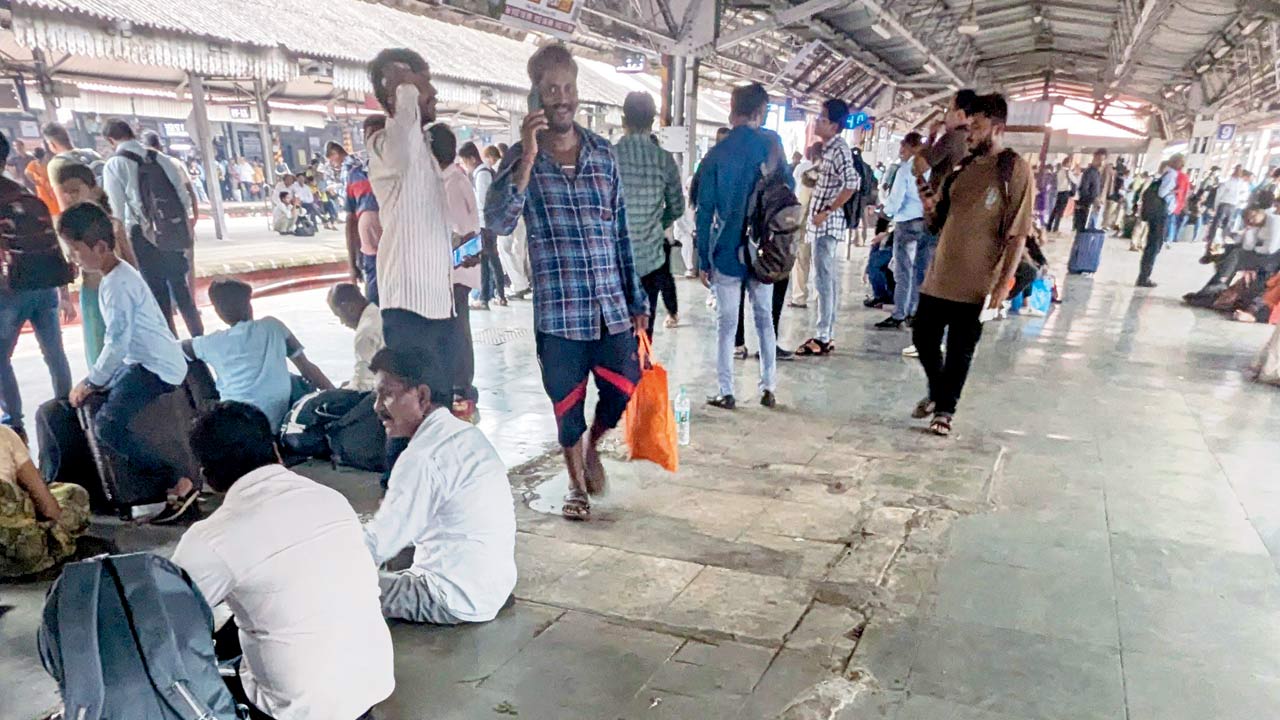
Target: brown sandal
x: 576, y: 506
x: 814, y: 347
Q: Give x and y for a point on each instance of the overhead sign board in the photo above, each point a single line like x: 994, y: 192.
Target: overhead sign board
x: 674, y: 138
x: 1226, y: 132
x: 793, y: 113
x: 859, y: 121
x: 240, y: 112
x: 557, y: 17
x: 632, y: 62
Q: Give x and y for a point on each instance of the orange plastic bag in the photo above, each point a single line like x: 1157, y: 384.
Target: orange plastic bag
x: 649, y: 424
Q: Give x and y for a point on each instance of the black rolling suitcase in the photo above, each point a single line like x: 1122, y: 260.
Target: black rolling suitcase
x: 165, y: 424
x: 65, y: 456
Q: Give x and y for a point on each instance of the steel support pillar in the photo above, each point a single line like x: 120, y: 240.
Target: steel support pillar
x: 264, y: 132
x: 204, y: 140
x: 691, y: 114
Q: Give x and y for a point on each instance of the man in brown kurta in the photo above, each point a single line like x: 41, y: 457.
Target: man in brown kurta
x: 990, y: 215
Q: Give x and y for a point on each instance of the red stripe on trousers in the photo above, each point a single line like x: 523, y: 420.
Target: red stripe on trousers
x: 625, y: 386
x: 575, y: 396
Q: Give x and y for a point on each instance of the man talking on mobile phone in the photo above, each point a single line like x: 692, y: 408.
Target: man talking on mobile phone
x: 588, y: 303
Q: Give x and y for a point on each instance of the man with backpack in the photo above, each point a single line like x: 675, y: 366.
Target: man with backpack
x: 148, y: 194
x: 838, y: 183
x: 1158, y: 202
x: 726, y: 178
x: 986, y: 209
x: 32, y: 289
x: 287, y: 555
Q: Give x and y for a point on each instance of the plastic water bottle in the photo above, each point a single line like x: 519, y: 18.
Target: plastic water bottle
x: 682, y: 417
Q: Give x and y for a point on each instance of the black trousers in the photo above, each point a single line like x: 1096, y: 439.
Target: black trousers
x: 659, y: 283
x: 166, y: 274
x: 959, y: 322
x: 1155, y: 242
x: 433, y: 341
x: 779, y: 301
x: 1059, y: 208
x: 493, y: 279
x: 464, y: 353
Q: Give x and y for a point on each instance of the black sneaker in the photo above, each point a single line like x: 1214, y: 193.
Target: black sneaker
x: 890, y: 323
x: 873, y: 303
x: 768, y: 399
x: 178, y: 509
x: 1144, y: 284
x: 785, y: 355
x: 724, y: 402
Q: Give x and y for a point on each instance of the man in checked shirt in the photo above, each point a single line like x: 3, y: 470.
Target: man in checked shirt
x: 838, y: 181
x: 588, y: 303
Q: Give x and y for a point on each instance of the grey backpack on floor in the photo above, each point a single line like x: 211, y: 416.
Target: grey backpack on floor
x: 130, y: 636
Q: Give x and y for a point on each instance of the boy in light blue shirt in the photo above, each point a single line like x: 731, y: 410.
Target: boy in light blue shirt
x: 140, y: 358
x: 248, y: 358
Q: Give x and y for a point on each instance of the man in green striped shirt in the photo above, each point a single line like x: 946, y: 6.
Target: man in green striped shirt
x: 651, y: 190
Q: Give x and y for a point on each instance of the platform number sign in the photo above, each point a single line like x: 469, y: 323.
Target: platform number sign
x: 1226, y: 132
x: 859, y: 121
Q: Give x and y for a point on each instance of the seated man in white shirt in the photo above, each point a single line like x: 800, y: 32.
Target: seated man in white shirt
x: 354, y: 311
x: 449, y: 496
x: 286, y: 556
x: 284, y: 214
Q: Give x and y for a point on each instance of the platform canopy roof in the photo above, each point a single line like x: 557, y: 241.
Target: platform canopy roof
x: 1178, y: 57
x: 310, y: 49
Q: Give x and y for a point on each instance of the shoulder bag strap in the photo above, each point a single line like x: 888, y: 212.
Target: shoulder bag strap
x: 78, y: 630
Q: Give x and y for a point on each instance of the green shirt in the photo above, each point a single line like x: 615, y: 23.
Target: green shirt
x: 651, y: 190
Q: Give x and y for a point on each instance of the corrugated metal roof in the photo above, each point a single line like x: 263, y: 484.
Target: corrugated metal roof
x: 345, y: 31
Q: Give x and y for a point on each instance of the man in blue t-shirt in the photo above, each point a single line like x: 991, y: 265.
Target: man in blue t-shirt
x: 724, y: 181
x: 248, y: 358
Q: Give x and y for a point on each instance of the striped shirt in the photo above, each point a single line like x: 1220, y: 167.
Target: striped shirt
x: 579, y: 247
x: 836, y: 173
x: 415, y: 253
x: 651, y: 186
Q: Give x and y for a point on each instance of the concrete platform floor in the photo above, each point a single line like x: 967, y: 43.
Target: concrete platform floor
x: 1098, y: 539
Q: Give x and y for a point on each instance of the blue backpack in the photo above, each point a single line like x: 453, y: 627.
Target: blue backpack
x: 138, y: 620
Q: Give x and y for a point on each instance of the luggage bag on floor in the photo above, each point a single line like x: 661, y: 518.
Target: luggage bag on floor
x: 130, y: 636
x: 165, y: 425
x: 1086, y: 251
x: 65, y: 456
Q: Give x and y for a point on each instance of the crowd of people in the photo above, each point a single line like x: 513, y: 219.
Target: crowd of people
x: 435, y: 230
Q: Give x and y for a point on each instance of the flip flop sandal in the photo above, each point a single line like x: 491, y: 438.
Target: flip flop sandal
x: 811, y: 348
x: 576, y: 506
x: 941, y: 425
x: 923, y: 409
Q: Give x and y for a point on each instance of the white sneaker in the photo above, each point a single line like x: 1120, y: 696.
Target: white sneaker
x: 910, y: 351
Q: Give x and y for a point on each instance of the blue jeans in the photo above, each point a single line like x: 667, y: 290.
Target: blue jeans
x: 40, y: 307
x: 827, y: 283
x: 1174, y: 227
x: 728, y: 291
x: 924, y: 255
x: 906, y: 242
x: 369, y: 266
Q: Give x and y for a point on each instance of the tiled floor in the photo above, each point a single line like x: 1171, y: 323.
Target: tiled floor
x: 1096, y: 541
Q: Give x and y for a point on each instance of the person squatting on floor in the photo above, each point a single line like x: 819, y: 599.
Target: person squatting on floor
x: 987, y: 206
x: 588, y: 303
x: 449, y: 497
x: 287, y: 557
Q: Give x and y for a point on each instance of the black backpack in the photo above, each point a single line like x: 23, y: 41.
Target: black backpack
x: 1154, y: 207
x: 866, y: 192
x: 28, y: 244
x: 165, y: 220
x: 774, y: 220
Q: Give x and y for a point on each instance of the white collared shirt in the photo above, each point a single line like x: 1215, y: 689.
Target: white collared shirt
x: 368, y: 342
x: 449, y: 496
x: 415, y: 254
x: 286, y: 555
x: 136, y: 331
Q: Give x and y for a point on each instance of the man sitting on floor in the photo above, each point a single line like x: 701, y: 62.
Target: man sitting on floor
x: 285, y: 554
x: 355, y: 312
x: 449, y: 496
x: 249, y: 357
x: 140, y: 357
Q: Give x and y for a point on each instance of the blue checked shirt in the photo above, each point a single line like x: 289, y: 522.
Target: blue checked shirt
x: 579, y: 248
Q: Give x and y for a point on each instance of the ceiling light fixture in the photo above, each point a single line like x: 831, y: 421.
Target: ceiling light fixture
x: 1203, y: 69
x: 881, y: 30
x: 1217, y: 54
x: 929, y: 68
x: 1250, y: 26
x: 969, y: 24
